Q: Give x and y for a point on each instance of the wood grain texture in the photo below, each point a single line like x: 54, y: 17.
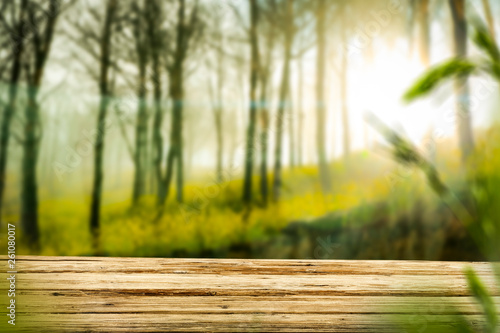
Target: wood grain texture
x: 89, y: 294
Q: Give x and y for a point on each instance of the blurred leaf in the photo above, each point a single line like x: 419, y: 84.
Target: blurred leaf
x: 484, y: 41
x: 436, y: 75
x: 404, y: 152
x: 494, y: 70
x: 481, y: 294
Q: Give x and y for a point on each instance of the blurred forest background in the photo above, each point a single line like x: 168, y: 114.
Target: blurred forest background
x: 318, y: 129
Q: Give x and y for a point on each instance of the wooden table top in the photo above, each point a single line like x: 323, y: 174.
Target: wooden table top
x: 87, y: 294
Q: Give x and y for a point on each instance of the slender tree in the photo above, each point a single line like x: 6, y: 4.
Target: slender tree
x: 219, y: 112
x: 36, y: 59
x: 187, y: 28
x: 343, y: 84
x: 321, y: 7
x: 305, y: 23
x: 141, y: 131
x: 289, y: 31
x: 14, y: 61
x: 300, y: 112
x: 291, y: 128
x: 217, y: 108
x: 216, y: 92
x: 105, y: 61
x: 254, y: 70
x: 463, y: 116
x: 265, y: 77
x: 424, y: 25
x: 156, y: 45
x: 489, y: 18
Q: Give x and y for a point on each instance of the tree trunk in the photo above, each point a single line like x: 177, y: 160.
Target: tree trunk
x: 423, y: 18
x: 218, y: 112
x: 29, y: 186
x: 169, y: 172
x: 177, y: 95
x: 140, y: 135
x: 176, y: 75
x: 300, y: 112
x: 17, y: 51
x: 425, y: 46
x: 320, y: 90
x: 249, y: 148
x: 152, y: 8
x: 343, y: 93
x: 463, y: 116
x: 180, y: 158
x: 489, y: 18
x: 101, y: 123
x: 277, y: 181
x: 220, y: 143
x: 42, y: 42
x: 284, y: 89
x: 151, y: 181
x: 157, y: 140
x: 264, y: 135
x: 291, y: 128
x: 175, y: 150
x: 264, y: 114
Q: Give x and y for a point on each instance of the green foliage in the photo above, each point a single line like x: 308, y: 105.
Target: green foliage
x: 457, y: 67
x: 483, y: 182
x: 405, y: 153
x: 435, y: 76
x: 484, y: 41
x: 485, y: 300
x: 483, y: 191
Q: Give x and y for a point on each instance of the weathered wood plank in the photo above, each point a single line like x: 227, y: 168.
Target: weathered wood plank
x: 252, y: 285
x: 245, y: 266
x: 73, y: 294
x: 79, y: 302
x: 257, y: 322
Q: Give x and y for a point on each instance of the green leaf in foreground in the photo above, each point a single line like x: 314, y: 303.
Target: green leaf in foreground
x: 481, y: 294
x: 438, y: 74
